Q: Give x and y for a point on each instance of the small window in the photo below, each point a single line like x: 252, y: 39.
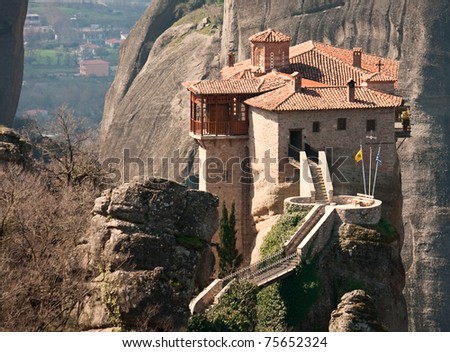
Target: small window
x: 370, y: 125
x: 272, y: 60
x: 316, y: 126
x: 342, y: 124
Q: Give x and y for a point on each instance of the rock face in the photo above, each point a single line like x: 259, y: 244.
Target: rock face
x: 360, y: 258
x: 145, y: 96
x: 148, y: 247
x: 12, y: 147
x: 416, y: 34
x: 355, y: 313
x: 12, y: 19
x: 147, y: 109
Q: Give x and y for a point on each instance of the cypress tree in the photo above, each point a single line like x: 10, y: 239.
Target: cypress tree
x: 229, y: 257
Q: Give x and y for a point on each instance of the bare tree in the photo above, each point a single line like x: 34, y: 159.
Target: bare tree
x: 41, y: 280
x: 68, y: 148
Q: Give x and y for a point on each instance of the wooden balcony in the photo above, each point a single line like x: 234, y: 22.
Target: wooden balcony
x: 219, y: 128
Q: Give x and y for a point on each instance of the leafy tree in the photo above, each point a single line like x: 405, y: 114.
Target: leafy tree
x: 270, y: 310
x: 229, y: 257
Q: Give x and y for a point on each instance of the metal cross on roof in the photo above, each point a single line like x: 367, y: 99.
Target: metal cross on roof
x: 379, y: 65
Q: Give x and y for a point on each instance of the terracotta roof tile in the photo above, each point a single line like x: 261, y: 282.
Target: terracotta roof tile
x: 236, y: 70
x: 368, y: 62
x: 236, y: 86
x: 270, y: 36
x: 323, y: 98
x: 324, y: 68
x: 326, y: 64
x: 376, y: 77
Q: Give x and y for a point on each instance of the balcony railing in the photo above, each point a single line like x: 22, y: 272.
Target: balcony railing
x: 219, y: 128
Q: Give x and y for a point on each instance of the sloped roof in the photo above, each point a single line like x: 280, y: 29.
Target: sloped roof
x: 94, y: 62
x: 326, y: 64
x: 376, y: 77
x: 270, y: 36
x: 323, y: 98
x: 368, y: 62
x: 235, y: 86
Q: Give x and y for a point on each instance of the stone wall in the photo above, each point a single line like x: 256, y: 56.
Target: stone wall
x: 266, y: 63
x: 363, y: 216
x: 269, y: 138
x: 318, y: 237
x: 222, y: 172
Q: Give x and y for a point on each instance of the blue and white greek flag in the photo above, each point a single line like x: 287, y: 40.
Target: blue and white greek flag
x: 378, y: 158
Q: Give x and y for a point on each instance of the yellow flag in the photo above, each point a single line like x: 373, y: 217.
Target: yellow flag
x: 359, y: 156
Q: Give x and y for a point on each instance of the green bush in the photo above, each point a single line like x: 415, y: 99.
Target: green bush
x: 193, y: 243
x: 236, y: 311
x: 270, y: 310
x: 299, y: 293
x: 282, y: 231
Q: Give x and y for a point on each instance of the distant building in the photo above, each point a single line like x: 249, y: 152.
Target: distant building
x: 32, y: 19
x: 35, y: 114
x: 94, y: 34
x: 98, y: 68
x: 114, y: 42
x: 88, y: 49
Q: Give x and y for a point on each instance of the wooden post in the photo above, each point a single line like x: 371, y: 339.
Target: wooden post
x: 201, y: 116
x: 192, y: 116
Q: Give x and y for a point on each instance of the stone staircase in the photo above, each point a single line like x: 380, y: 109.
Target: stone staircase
x: 265, y: 271
x: 319, y: 183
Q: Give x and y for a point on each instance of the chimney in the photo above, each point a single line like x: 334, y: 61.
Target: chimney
x: 357, y: 57
x: 296, y: 81
x: 230, y: 59
x: 351, y: 90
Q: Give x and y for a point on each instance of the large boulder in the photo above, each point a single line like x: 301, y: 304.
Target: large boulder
x: 355, y: 313
x: 13, y: 148
x: 12, y: 19
x: 148, y: 248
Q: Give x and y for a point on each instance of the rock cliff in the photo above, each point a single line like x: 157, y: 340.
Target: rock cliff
x: 146, y: 96
x: 358, y: 258
x: 146, y: 251
x: 12, y: 19
x: 13, y: 148
x: 355, y: 313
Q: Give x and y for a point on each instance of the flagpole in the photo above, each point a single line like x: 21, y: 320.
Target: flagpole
x: 363, y: 171
x: 371, y: 137
x: 378, y: 161
x: 370, y: 167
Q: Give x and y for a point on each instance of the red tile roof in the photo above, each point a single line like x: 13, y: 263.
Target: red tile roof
x: 368, y: 62
x: 320, y: 67
x: 236, y: 86
x: 376, y: 77
x: 239, y: 69
x: 323, y: 98
x: 326, y: 64
x: 93, y: 62
x: 270, y: 36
